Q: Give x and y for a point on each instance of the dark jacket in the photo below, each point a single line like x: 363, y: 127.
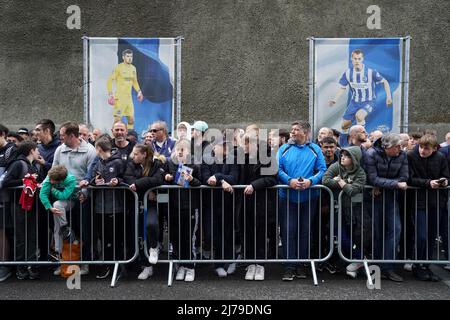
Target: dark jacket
x: 383, y: 171
x: 124, y: 152
x: 134, y: 174
x: 7, y: 154
x: 17, y: 170
x: 421, y: 172
x: 47, y: 152
x: 109, y: 201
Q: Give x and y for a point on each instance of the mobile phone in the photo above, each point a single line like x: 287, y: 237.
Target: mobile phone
x: 300, y: 179
x: 442, y: 180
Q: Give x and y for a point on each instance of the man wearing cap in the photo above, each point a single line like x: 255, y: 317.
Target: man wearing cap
x: 162, y: 143
x: 24, y: 133
x: 387, y: 170
x: 198, y: 142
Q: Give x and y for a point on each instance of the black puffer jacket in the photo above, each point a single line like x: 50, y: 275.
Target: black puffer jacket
x: 422, y: 171
x: 383, y: 171
x: 109, y: 201
x: 134, y: 174
x: 17, y: 170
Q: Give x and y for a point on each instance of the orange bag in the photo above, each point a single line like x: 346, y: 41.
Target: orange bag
x: 70, y: 252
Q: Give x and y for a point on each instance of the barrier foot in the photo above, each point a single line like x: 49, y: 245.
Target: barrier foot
x: 369, y: 278
x: 170, y: 277
x: 114, y: 277
x: 313, y: 269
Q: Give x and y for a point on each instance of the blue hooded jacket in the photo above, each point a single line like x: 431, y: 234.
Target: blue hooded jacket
x: 300, y: 160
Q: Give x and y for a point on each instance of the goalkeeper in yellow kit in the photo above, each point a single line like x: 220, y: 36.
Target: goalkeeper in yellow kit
x: 125, y: 77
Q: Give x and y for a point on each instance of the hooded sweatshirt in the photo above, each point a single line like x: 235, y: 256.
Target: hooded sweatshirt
x: 355, y: 178
x: 188, y: 128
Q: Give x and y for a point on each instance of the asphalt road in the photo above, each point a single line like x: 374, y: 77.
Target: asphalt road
x: 208, y: 286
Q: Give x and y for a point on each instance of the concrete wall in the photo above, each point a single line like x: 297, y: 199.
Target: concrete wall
x: 243, y: 60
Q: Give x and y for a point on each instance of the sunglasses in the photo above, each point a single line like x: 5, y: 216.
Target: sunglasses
x: 155, y: 130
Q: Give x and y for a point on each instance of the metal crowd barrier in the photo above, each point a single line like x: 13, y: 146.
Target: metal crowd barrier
x: 95, y: 221
x: 394, y: 227
x: 240, y: 228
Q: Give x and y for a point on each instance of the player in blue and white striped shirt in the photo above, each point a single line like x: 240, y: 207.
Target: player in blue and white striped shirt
x: 362, y: 81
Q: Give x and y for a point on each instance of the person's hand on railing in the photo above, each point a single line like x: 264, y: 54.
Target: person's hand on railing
x: 114, y: 182
x: 99, y: 180
x: 56, y: 211
x: 212, y: 181
x: 402, y: 185
x: 133, y: 187
x: 376, y: 192
x: 227, y: 187
x: 249, y: 190
x: 294, y: 184
x: 168, y: 177
x: 304, y: 184
x: 84, y: 183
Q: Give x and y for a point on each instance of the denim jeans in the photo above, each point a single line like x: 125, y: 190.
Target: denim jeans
x: 295, y: 229
x: 387, y: 226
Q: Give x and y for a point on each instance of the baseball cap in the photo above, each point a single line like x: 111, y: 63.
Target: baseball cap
x: 200, y: 126
x: 23, y: 130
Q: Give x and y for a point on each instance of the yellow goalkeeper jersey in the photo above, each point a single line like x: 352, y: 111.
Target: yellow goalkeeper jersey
x: 125, y: 77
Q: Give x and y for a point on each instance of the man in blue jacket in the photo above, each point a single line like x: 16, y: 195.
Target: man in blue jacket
x: 301, y: 165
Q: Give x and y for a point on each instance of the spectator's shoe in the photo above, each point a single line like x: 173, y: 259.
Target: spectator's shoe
x: 231, y: 268
x: 221, y: 272
x: 259, y: 274
x: 447, y: 267
x: 288, y: 275
x: 181, y: 273
x: 391, y: 275
x: 84, y: 270
x: 433, y: 277
x: 68, y: 234
x: 146, y: 273
x: 300, y: 272
x: 22, y: 273
x: 57, y: 271
x: 330, y: 268
x: 33, y: 272
x: 408, y: 267
x: 354, y: 267
x: 103, y: 272
x: 190, y: 275
x: 352, y: 275
x: 153, y: 254
x: 251, y: 270
x: 421, y: 273
x: 5, y: 273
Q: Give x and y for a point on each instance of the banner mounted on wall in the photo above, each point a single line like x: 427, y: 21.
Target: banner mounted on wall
x: 135, y: 80
x: 359, y: 81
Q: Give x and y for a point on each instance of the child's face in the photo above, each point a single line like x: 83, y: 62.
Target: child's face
x: 54, y: 181
x: 346, y: 160
x: 102, y: 154
x: 138, y: 157
x: 426, y: 151
x: 36, y: 154
x: 182, y: 152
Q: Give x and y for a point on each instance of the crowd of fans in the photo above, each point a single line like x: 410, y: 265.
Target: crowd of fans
x: 59, y: 166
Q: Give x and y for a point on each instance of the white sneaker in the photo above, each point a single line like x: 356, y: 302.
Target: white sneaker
x: 259, y: 274
x: 353, y: 267
x: 351, y: 274
x: 231, y: 268
x: 221, y: 272
x: 84, y: 270
x: 447, y: 267
x: 146, y: 273
x: 180, y: 274
x: 190, y: 275
x: 153, y: 254
x: 250, y: 275
x: 408, y: 267
x: 57, y: 272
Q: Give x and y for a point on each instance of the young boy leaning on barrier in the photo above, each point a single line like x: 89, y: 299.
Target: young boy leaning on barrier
x: 59, y: 185
x: 348, y: 176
